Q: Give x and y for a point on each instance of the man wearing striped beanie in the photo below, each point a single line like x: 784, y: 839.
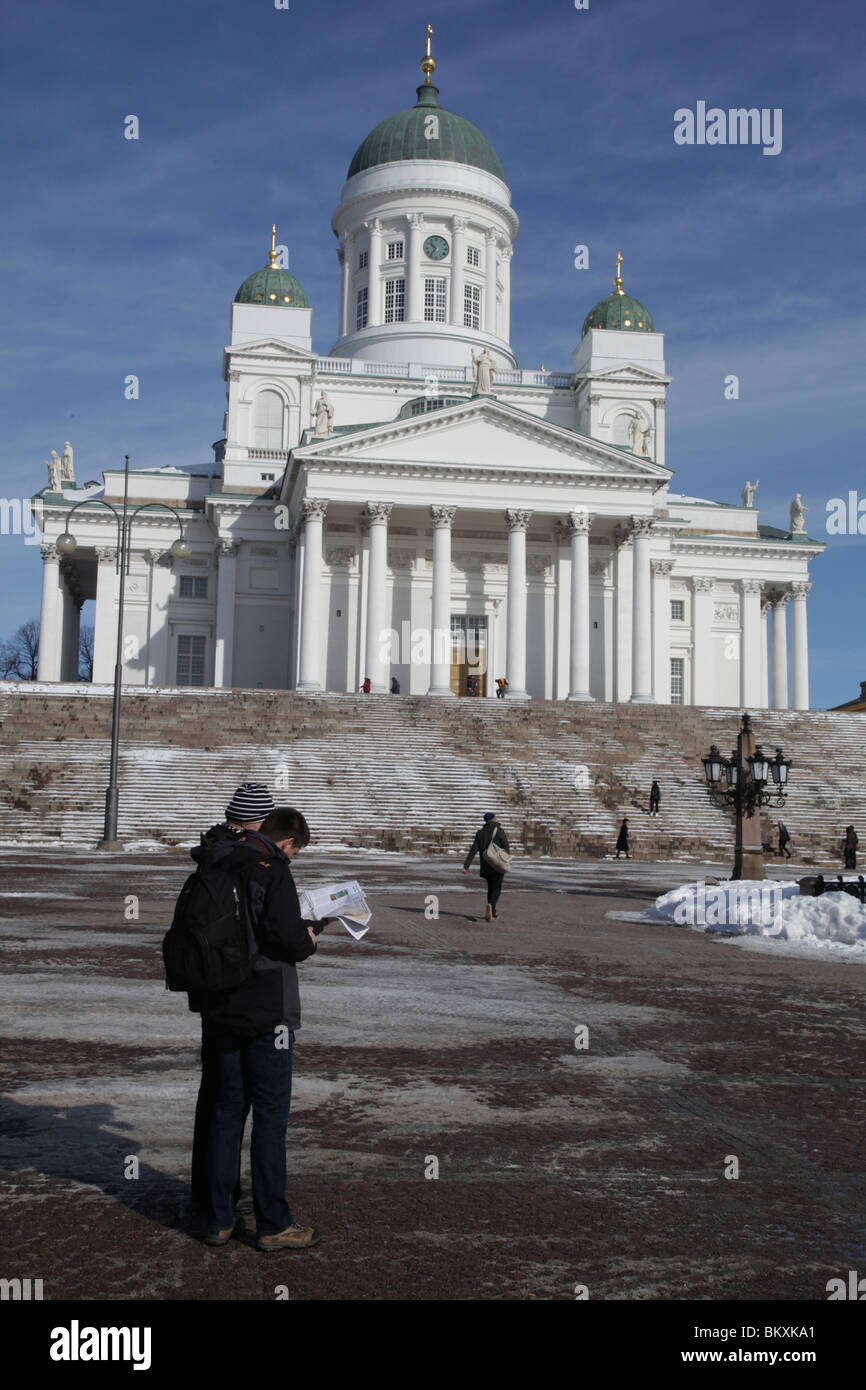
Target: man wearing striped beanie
x: 249, y: 806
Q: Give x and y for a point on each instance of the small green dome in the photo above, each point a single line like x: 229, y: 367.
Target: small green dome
x: 271, y: 285
x: 412, y: 135
x: 619, y: 310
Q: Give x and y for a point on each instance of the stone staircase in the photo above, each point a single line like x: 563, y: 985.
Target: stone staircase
x: 412, y: 772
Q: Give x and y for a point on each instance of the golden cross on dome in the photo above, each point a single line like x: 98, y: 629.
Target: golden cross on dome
x: 617, y: 283
x: 272, y: 263
x: 428, y: 62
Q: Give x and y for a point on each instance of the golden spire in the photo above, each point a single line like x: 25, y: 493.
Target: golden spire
x: 272, y: 262
x: 428, y: 62
x: 617, y: 283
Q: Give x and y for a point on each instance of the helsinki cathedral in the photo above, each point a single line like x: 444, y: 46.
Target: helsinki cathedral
x: 414, y: 508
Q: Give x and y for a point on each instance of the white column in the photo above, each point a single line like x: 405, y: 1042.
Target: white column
x: 765, y: 653
x: 50, y: 618
x: 623, y: 565
x: 105, y: 617
x: 515, y: 656
x: 374, y: 274
x: 658, y: 444
x: 71, y: 623
x: 227, y: 561
x: 750, y: 644
x: 703, y: 671
x: 158, y: 672
x: 563, y: 612
x: 313, y: 514
x: 346, y: 254
x: 505, y: 329
x: 414, y: 288
x: 799, y: 646
x: 490, y: 238
x: 780, y: 650
x: 440, y: 620
x: 662, y: 631
x: 641, y: 621
x: 376, y: 668
x: 579, y: 523
x: 458, y: 269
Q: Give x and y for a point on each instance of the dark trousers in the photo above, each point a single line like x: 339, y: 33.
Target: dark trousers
x: 783, y: 849
x: 245, y: 1074
x: 494, y: 888
x: 203, y: 1111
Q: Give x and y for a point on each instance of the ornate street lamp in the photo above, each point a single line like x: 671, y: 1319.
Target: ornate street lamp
x: 747, y: 775
x: 66, y: 545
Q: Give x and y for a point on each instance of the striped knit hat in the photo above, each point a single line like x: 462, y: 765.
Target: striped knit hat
x: 251, y: 802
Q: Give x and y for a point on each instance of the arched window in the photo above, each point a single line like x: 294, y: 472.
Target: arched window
x: 620, y: 429
x: 269, y: 420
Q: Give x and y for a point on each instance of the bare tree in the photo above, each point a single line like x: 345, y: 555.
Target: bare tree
x: 85, y: 654
x: 19, y: 656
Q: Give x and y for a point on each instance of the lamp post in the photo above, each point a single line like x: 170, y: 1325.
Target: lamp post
x: 741, y: 781
x: 66, y: 544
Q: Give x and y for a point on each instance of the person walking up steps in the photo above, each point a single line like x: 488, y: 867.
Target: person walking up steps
x: 655, y: 798
x: 622, y: 844
x: 489, y: 843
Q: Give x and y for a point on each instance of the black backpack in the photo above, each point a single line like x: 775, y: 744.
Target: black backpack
x: 207, y: 946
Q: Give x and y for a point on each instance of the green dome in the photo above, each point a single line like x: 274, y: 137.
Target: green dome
x: 271, y: 285
x: 404, y: 136
x: 619, y: 310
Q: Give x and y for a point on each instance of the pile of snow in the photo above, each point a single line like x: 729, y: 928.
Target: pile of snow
x: 834, y: 923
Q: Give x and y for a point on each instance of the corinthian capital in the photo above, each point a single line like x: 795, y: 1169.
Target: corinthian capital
x: 579, y: 522
x: 442, y: 517
x: 314, y: 508
x: 518, y: 520
x: 641, y: 525
x: 379, y: 511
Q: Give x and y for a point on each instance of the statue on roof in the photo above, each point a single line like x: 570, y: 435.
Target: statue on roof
x: 483, y: 367
x: 748, y: 493
x: 53, y: 465
x: 67, y: 471
x: 324, y: 416
x: 798, y: 516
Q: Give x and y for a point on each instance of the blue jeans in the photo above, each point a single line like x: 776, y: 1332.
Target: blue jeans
x: 247, y: 1074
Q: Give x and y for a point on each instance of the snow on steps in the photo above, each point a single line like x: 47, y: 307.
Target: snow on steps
x: 391, y: 772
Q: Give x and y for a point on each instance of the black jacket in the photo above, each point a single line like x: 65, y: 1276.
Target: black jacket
x: 273, y: 918
x: 480, y: 844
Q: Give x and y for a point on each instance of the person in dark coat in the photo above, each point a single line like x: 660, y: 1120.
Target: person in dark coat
x: 655, y: 798
x: 849, y: 847
x: 490, y: 830
x: 247, y: 809
x: 622, y: 845
x: 784, y: 837
x: 248, y: 1040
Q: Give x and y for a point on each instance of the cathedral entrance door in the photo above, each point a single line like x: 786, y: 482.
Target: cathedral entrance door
x: 468, y: 654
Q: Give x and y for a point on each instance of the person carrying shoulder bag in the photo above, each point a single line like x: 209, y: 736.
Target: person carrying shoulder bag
x: 491, y: 845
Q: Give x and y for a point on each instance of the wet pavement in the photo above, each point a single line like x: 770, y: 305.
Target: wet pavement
x: 439, y: 1043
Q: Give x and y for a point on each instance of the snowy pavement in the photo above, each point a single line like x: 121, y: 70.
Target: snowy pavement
x: 580, y: 1080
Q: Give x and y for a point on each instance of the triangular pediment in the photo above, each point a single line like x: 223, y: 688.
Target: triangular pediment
x: 270, y: 348
x: 627, y: 372
x: 482, y: 434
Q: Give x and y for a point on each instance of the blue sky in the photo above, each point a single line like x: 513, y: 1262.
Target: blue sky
x: 123, y: 256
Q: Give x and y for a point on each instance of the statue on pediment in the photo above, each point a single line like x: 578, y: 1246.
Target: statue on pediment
x: 748, y: 493
x: 324, y: 425
x: 53, y: 465
x: 798, y: 516
x: 483, y: 368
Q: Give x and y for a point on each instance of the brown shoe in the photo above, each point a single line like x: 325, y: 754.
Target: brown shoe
x: 488, y: 916
x: 294, y: 1237
x: 223, y: 1237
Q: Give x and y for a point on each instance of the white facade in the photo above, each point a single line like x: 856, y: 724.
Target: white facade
x: 536, y: 518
